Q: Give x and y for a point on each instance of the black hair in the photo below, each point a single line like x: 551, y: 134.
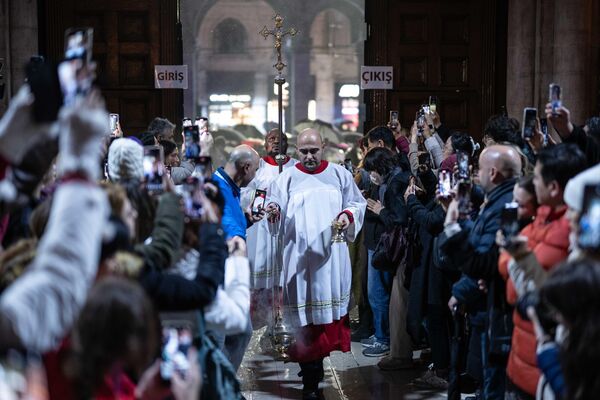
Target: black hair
x: 147, y: 139
x: 384, y: 134
x: 561, y: 162
x: 168, y: 146
x: 579, y: 353
x: 462, y: 142
x: 159, y: 125
x: 593, y: 125
x: 381, y: 160
x: 503, y: 130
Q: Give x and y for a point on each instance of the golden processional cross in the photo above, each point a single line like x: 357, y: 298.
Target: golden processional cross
x: 278, y: 33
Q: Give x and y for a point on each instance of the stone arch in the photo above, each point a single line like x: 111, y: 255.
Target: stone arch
x: 230, y: 37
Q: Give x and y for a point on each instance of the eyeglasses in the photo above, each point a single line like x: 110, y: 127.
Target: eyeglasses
x: 312, y: 151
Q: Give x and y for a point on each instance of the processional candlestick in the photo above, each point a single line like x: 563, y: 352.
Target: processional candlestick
x: 281, y: 336
x: 278, y: 33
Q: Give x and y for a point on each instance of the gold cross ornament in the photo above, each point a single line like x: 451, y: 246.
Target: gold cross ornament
x: 279, y: 34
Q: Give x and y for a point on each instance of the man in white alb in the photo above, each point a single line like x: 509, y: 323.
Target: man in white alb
x: 258, y: 235
x: 316, y: 272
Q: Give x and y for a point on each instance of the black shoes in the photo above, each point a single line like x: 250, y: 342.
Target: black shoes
x: 312, y: 374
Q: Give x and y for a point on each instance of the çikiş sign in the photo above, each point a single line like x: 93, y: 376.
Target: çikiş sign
x: 376, y: 77
x: 170, y: 77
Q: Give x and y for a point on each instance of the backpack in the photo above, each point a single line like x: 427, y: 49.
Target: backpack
x: 219, y: 377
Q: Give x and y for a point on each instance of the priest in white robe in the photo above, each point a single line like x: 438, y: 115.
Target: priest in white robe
x: 259, y: 240
x: 317, y: 273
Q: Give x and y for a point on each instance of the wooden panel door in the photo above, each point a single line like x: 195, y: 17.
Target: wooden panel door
x: 438, y: 47
x: 130, y: 37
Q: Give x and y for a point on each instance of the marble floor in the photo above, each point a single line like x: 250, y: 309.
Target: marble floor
x: 348, y: 376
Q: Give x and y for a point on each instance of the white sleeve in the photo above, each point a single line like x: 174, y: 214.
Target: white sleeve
x: 433, y: 147
x: 354, y: 203
x: 42, y: 305
x: 230, y: 310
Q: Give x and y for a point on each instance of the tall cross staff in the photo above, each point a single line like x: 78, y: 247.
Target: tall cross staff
x: 278, y: 33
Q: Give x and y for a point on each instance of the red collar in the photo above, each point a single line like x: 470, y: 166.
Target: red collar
x: 319, y: 169
x: 271, y: 161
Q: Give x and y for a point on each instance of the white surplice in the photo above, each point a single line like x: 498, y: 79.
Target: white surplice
x: 317, y: 272
x: 258, y: 238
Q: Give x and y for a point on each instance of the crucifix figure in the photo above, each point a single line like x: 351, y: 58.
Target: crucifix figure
x: 278, y: 33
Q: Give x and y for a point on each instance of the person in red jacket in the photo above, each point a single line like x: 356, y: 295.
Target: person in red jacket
x: 546, y: 239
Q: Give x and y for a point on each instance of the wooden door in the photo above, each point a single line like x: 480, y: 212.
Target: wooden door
x: 453, y: 49
x: 130, y: 37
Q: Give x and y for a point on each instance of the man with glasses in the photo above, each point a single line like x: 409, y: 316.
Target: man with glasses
x: 317, y: 272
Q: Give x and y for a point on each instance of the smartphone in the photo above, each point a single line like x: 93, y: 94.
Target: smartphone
x: 186, y: 122
x: 191, y: 136
x: 463, y: 166
x: 394, y: 119
x: 78, y: 44
x: 509, y: 220
x: 425, y: 159
x: 433, y: 101
x: 114, y: 121
x: 258, y: 203
x: 464, y: 197
x: 444, y: 183
x: 589, y: 224
x: 201, y: 123
x: 191, y: 192
x: 425, y: 108
x: 554, y: 97
x: 176, y: 341
x: 74, y: 72
x: 529, y: 121
x: 154, y: 169
x: 544, y: 128
x: 42, y: 77
x: 420, y: 121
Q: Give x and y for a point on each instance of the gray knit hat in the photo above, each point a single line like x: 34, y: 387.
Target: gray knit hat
x: 575, y: 187
x: 125, y: 160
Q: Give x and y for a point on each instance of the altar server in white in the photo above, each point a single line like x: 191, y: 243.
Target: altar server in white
x: 316, y: 272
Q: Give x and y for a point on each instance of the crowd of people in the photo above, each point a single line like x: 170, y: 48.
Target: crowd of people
x: 133, y: 268
x: 489, y: 278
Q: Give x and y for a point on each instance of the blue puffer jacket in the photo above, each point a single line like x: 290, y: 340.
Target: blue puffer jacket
x: 234, y: 221
x: 474, y: 248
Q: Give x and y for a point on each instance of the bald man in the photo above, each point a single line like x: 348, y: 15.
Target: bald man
x: 238, y: 172
x: 316, y: 273
x: 471, y: 245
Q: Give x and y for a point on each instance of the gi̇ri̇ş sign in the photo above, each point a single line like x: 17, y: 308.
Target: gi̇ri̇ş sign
x: 170, y: 77
x: 376, y: 77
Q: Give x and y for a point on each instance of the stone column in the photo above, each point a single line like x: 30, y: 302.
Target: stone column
x: 23, y: 24
x: 201, y: 94
x: 550, y: 41
x: 260, y: 99
x: 301, y: 82
x: 324, y: 89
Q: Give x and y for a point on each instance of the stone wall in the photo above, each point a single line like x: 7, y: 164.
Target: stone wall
x: 553, y: 41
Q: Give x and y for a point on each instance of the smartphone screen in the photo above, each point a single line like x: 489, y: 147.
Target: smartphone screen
x: 544, y: 128
x: 425, y: 159
x: 202, y: 124
x: 260, y: 196
x: 554, y: 97
x: 529, y: 121
x: 186, y: 122
x: 463, y: 166
x: 509, y: 222
x: 393, y: 119
x: 589, y: 224
x: 176, y: 341
x: 192, y: 142
x: 114, y: 120
x: 433, y: 101
x: 154, y: 169
x: 425, y: 108
x: 78, y: 44
x: 464, y: 197
x: 191, y: 193
x: 444, y: 183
